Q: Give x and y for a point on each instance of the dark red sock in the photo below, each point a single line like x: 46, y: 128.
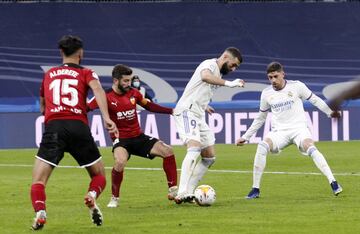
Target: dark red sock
x: 169, y: 166
x: 116, y: 179
x: 38, y: 196
x: 97, y: 184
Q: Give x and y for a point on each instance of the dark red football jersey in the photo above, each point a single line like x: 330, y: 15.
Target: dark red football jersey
x: 122, y: 110
x: 65, y: 89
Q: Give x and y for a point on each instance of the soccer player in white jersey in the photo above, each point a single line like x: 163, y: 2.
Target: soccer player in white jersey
x: 189, y: 115
x: 284, y: 98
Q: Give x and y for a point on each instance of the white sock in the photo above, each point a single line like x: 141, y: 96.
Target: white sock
x: 321, y: 163
x: 187, y: 168
x: 259, y: 163
x: 200, y: 169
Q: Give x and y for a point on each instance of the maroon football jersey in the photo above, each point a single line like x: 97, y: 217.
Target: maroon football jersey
x: 65, y: 90
x: 122, y: 110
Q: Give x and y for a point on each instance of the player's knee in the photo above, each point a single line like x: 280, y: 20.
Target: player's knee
x: 120, y: 163
x: 167, y: 151
x: 208, y: 162
x: 263, y: 148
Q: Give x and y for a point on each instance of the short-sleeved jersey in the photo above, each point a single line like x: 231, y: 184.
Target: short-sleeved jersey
x: 286, y: 105
x: 65, y: 89
x: 197, y: 93
x: 122, y: 110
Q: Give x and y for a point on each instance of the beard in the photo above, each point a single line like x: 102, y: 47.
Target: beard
x: 123, y: 89
x: 224, y: 69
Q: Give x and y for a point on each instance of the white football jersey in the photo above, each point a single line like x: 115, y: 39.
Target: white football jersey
x: 197, y: 93
x: 286, y: 105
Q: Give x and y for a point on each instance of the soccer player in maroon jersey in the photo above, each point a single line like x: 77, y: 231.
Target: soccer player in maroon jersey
x: 63, y: 95
x: 122, y: 100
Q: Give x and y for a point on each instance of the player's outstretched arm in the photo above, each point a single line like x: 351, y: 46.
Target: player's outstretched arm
x: 208, y: 77
x: 256, y: 124
x: 153, y: 107
x: 321, y: 105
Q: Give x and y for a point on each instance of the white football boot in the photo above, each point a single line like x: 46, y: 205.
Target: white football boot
x: 114, y: 202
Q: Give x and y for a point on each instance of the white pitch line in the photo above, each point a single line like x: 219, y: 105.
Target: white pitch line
x: 216, y: 171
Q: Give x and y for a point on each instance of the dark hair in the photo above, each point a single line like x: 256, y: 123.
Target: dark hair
x: 235, y: 52
x: 70, y: 44
x: 274, y: 66
x: 121, y: 70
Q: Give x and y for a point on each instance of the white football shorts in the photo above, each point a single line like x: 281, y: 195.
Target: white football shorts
x: 284, y: 138
x: 193, y: 127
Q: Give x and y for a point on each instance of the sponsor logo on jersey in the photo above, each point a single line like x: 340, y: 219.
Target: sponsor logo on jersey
x: 129, y: 114
x: 114, y: 103
x: 290, y: 94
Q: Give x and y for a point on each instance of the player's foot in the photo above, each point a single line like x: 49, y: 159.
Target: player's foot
x: 172, y: 192
x: 184, y: 197
x: 95, y: 213
x: 114, y: 202
x: 336, y: 188
x: 254, y: 193
x: 39, y: 220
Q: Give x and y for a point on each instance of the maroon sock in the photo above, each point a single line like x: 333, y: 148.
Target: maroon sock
x: 116, y: 179
x: 97, y: 184
x: 169, y: 166
x: 38, y: 196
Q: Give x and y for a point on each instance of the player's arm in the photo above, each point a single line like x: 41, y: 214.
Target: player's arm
x: 208, y: 77
x: 153, y: 107
x: 100, y: 97
x: 42, y: 99
x: 317, y: 102
x: 321, y: 105
x: 91, y: 104
x: 42, y: 105
x: 257, y: 123
x: 352, y: 93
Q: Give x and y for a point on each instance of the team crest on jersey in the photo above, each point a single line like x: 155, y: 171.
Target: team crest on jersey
x: 132, y: 100
x: 290, y: 94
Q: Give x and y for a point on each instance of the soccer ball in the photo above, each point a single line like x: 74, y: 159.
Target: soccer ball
x: 205, y: 195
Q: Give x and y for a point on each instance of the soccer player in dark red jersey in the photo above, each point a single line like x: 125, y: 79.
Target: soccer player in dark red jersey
x: 63, y: 95
x: 122, y: 100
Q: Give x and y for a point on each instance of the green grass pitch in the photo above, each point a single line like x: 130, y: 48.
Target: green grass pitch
x: 300, y: 202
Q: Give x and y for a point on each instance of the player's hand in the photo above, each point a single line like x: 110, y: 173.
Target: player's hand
x: 240, y: 142
x: 111, y: 127
x: 235, y: 83
x: 335, y: 104
x: 210, y: 110
x: 335, y: 114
